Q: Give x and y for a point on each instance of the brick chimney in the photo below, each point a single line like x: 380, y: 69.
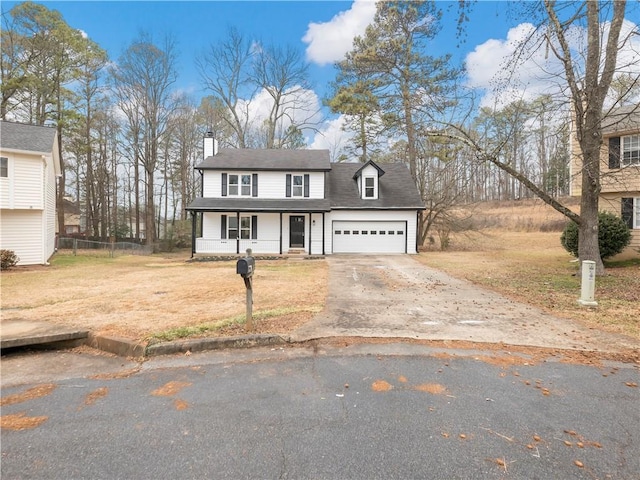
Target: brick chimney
x: 210, y: 145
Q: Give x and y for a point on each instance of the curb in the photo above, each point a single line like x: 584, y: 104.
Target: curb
x: 125, y: 347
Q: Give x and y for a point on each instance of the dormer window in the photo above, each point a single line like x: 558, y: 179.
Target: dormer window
x: 369, y: 187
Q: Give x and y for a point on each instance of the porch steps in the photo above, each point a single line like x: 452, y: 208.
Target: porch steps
x: 296, y: 251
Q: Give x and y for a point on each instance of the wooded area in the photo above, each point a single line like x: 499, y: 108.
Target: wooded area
x: 130, y: 138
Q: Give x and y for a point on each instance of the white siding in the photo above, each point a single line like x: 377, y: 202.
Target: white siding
x: 271, y: 185
x: 21, y: 232
x: 28, y: 180
x: 50, y: 210
x: 408, y: 216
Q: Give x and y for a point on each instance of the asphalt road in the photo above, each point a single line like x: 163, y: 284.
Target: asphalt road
x: 359, y: 412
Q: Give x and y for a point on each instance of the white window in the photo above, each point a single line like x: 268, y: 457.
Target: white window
x: 369, y: 187
x: 297, y: 187
x: 4, y: 167
x: 240, y: 185
x: 636, y: 212
x: 631, y: 150
x: 245, y: 230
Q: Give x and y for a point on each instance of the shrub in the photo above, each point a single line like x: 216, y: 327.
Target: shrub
x: 8, y: 259
x: 613, y: 235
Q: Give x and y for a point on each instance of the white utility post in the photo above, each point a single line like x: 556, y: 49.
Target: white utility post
x: 587, y: 293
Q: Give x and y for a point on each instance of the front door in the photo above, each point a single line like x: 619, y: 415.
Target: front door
x: 296, y: 231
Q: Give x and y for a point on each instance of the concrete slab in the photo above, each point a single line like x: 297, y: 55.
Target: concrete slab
x: 24, y: 333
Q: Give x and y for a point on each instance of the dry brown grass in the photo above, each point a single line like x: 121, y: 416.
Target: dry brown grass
x: 531, y: 266
x: 139, y: 297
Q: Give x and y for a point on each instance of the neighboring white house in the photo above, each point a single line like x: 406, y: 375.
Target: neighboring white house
x: 297, y: 201
x: 29, y: 167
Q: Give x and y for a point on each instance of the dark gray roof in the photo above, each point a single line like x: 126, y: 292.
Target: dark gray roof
x: 259, y: 205
x: 365, y: 165
x: 396, y: 190
x: 259, y: 160
x: 622, y: 120
x: 32, y: 138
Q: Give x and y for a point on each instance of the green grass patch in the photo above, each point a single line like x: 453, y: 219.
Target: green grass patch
x: 213, y: 327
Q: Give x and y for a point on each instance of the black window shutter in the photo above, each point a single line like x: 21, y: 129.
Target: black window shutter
x: 254, y: 227
x: 288, y: 192
x: 254, y: 185
x: 306, y: 185
x: 614, y: 152
x: 224, y: 184
x: 627, y: 211
x: 223, y: 227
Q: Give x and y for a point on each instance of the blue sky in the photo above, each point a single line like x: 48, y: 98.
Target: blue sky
x: 321, y: 29
x: 197, y: 24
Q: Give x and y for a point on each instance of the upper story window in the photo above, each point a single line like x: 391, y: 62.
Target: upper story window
x: 297, y: 185
x: 240, y: 185
x: 631, y: 150
x: 4, y: 167
x: 369, y: 187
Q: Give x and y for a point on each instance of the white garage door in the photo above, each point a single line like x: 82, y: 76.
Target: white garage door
x: 369, y: 237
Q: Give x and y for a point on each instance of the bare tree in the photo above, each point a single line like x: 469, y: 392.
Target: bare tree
x: 142, y: 81
x: 586, y: 76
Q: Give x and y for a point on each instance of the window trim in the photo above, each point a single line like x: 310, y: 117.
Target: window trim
x: 297, y: 190
x: 630, y: 150
x: 248, y: 223
x: 370, y: 190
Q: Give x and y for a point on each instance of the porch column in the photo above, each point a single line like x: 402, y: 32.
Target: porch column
x: 310, y: 229
x: 194, y: 223
x: 323, y: 235
x: 238, y: 234
x: 280, y: 233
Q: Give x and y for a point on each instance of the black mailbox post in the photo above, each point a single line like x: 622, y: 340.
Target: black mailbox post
x: 245, y: 267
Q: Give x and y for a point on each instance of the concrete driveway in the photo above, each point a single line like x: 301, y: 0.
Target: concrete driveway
x: 397, y: 296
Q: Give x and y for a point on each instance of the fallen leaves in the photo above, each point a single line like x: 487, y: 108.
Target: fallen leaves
x: 32, y: 393
x: 19, y: 421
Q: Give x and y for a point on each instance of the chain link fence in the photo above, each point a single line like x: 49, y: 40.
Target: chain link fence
x: 79, y: 246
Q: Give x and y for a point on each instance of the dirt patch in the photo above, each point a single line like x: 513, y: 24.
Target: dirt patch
x: 34, y: 392
x: 19, y: 421
x: 96, y: 395
x: 433, y: 388
x: 381, y: 386
x: 170, y: 389
x: 180, y: 404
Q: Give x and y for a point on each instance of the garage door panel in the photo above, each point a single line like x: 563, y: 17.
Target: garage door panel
x: 369, y: 237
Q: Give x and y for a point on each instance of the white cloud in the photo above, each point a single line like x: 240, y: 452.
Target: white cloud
x: 539, y: 71
x: 331, y: 137
x: 329, y: 41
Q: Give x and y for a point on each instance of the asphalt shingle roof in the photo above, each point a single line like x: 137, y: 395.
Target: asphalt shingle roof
x: 396, y: 190
x: 621, y: 120
x: 260, y: 160
x: 31, y: 138
x: 228, y: 204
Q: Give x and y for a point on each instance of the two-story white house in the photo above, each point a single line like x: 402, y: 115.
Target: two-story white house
x: 297, y: 201
x: 29, y: 167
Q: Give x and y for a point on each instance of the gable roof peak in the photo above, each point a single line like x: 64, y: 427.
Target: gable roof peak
x: 373, y: 164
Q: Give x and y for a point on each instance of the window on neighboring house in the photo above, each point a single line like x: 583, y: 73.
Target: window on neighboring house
x: 631, y: 150
x: 631, y: 212
x: 248, y: 228
x: 369, y: 187
x: 4, y: 167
